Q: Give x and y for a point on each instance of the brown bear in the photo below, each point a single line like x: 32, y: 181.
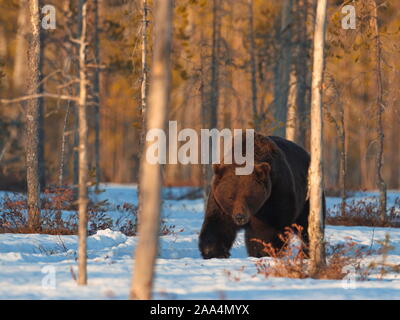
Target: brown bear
x: 263, y: 203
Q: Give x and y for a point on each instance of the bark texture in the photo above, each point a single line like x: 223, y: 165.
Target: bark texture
x: 150, y: 175
x: 33, y: 118
x: 316, y: 225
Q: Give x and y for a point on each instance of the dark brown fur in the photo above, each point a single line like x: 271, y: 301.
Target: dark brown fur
x: 262, y: 203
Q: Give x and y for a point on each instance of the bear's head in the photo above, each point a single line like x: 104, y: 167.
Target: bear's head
x: 241, y: 196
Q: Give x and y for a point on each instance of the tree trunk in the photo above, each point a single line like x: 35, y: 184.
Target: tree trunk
x: 150, y: 174
x: 20, y: 70
x: 75, y: 161
x: 302, y: 74
x: 211, y: 112
x: 63, y: 144
x: 291, y: 122
x: 343, y: 160
x: 205, y: 170
x: 143, y: 92
x: 96, y: 92
x: 281, y: 91
x: 32, y: 119
x: 83, y: 144
x: 380, y: 108
x: 41, y: 155
x: 214, y: 94
x: 253, y: 64
x: 316, y: 225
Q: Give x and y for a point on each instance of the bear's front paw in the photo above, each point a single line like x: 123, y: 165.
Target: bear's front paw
x: 210, y: 251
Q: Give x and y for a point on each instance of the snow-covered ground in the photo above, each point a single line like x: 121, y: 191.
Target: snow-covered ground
x: 39, y: 266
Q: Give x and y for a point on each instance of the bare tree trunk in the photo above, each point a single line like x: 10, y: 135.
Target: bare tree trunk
x: 282, y: 87
x: 20, y: 70
x: 32, y: 118
x: 316, y: 224
x: 150, y: 175
x: 380, y: 108
x: 41, y: 156
x: 205, y: 170
x: 291, y: 122
x: 4, y: 81
x: 343, y: 160
x: 340, y: 126
x: 253, y: 64
x: 83, y: 144
x: 211, y: 112
x: 363, y: 145
x: 395, y: 159
x: 144, y: 85
x: 214, y: 94
x: 302, y: 73
x: 63, y: 143
x: 75, y: 161
x: 96, y: 91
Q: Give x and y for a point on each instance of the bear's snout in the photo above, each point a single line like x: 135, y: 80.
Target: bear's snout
x: 241, y: 218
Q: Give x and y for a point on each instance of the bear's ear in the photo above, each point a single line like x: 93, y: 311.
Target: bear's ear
x: 262, y: 170
x: 218, y: 169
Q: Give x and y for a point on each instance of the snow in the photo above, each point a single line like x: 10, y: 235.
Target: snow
x: 30, y: 262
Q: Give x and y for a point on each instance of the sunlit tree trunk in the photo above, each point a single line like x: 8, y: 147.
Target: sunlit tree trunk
x: 302, y: 72
x: 150, y: 174
x: 340, y: 126
x: 253, y: 63
x: 380, y: 108
x: 363, y: 136
x: 20, y: 72
x: 211, y: 112
x: 32, y: 118
x: 20, y: 66
x: 343, y: 160
x: 41, y: 151
x: 214, y: 94
x: 205, y: 170
x: 83, y: 145
x: 96, y: 91
x: 143, y: 89
x: 281, y: 91
x: 75, y: 160
x: 63, y: 145
x: 291, y: 122
x: 316, y: 225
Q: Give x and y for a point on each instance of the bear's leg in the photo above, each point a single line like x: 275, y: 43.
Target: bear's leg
x: 217, y: 236
x: 257, y: 234
x: 217, y: 233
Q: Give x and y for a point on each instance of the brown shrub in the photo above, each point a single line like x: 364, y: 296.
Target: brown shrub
x: 13, y: 215
x: 287, y: 262
x: 364, y: 213
x: 292, y: 262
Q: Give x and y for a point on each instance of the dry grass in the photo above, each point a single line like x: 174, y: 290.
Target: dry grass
x: 364, y: 213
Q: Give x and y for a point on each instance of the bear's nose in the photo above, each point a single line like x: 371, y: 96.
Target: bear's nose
x: 240, y: 219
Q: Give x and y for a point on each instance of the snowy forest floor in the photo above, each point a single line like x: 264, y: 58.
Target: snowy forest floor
x: 30, y: 262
